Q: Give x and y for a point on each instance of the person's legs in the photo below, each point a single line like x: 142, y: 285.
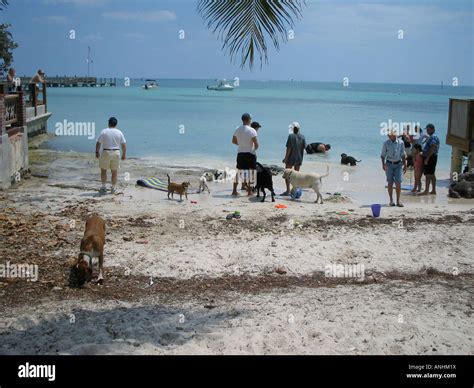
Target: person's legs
x: 433, y: 184
x: 398, y: 189
x: 427, y: 184
x: 114, y: 177
x: 103, y: 176
x: 287, y: 181
x: 390, y: 191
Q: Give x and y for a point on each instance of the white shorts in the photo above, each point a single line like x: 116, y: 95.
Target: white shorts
x: 109, y: 160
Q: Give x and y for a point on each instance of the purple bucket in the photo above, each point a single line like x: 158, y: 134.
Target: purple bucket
x: 376, y: 210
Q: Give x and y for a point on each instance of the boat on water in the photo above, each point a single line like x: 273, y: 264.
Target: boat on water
x: 222, y: 84
x: 150, y: 84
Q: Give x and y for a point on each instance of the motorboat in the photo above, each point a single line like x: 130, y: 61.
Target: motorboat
x: 221, y: 84
x: 150, y: 84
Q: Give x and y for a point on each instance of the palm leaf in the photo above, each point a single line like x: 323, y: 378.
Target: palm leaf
x: 244, y: 26
x: 3, y: 4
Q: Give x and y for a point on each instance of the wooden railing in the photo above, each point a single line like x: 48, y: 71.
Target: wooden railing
x: 36, y: 96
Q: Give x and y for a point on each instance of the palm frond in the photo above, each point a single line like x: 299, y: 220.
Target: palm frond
x: 3, y: 4
x: 245, y: 25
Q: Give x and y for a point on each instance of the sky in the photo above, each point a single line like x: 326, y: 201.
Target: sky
x: 334, y: 39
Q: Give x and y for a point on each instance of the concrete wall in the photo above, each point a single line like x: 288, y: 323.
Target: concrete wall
x: 13, y: 158
x: 13, y: 146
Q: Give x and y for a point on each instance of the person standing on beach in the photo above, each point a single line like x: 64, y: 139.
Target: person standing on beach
x: 393, y: 162
x: 245, y: 138
x: 295, y: 146
x: 430, y: 157
x: 111, y: 139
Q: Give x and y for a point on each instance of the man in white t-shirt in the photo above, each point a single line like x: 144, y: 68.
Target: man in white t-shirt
x: 111, y: 139
x: 245, y: 137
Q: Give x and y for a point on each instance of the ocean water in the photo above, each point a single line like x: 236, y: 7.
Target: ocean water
x: 183, y: 122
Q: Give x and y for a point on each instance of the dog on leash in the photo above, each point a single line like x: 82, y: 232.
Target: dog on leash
x: 177, y: 187
x: 92, y: 245
x: 303, y: 180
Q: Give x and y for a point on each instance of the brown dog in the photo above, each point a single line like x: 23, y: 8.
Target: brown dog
x: 92, y: 245
x: 179, y: 188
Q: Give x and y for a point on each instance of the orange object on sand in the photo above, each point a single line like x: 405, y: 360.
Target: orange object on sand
x: 281, y: 206
x: 343, y: 213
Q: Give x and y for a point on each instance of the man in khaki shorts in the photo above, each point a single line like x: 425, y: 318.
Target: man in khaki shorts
x: 111, y: 139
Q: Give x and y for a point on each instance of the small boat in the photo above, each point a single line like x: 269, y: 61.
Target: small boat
x: 222, y: 84
x: 150, y: 84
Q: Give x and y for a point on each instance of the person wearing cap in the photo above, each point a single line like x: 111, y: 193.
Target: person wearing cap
x: 430, y: 158
x: 245, y: 138
x: 295, y: 146
x: 393, y: 163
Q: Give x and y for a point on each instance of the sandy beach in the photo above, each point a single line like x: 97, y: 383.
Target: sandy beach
x: 181, y: 279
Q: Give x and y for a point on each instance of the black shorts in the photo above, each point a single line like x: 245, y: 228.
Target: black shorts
x: 430, y: 168
x: 246, y: 161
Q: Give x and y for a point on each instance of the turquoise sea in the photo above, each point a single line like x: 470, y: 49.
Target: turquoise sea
x: 183, y: 121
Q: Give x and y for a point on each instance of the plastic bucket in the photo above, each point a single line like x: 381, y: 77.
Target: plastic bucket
x: 375, y: 209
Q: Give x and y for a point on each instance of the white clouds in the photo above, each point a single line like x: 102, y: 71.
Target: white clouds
x: 53, y: 19
x: 147, y: 17
x: 77, y: 2
x: 368, y: 21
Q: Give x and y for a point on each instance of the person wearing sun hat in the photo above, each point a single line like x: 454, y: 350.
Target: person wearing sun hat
x: 295, y: 146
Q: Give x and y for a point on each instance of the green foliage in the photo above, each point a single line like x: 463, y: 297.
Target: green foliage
x: 7, y: 45
x: 244, y: 25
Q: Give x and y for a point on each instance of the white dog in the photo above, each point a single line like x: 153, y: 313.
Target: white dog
x: 302, y: 180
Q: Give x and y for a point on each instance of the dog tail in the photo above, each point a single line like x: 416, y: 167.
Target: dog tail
x: 358, y: 161
x: 169, y: 179
x: 327, y: 172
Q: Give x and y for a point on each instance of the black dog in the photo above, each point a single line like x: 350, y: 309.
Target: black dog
x: 349, y: 160
x: 264, y: 181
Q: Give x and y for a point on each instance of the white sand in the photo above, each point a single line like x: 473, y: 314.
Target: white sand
x: 181, y: 240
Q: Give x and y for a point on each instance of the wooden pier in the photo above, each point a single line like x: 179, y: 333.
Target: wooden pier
x: 74, y: 82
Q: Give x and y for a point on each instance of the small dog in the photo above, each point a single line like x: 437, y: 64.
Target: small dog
x: 304, y: 180
x: 92, y: 245
x: 349, y: 160
x: 203, y: 185
x: 179, y: 188
x: 264, y: 181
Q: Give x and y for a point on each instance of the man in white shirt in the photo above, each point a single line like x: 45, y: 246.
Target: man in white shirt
x: 111, y: 139
x: 245, y: 137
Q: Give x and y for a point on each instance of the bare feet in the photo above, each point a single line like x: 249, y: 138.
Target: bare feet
x: 433, y: 192
x: 399, y: 204
x: 285, y: 193
x: 423, y: 193
x: 235, y: 194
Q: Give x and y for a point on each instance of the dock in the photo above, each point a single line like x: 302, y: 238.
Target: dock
x: 74, y: 81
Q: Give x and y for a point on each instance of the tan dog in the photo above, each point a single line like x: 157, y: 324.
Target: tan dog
x: 92, y: 245
x: 302, y: 180
x: 179, y: 188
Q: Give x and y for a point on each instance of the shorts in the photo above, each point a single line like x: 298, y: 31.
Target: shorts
x: 109, y: 160
x: 430, y: 168
x: 246, y: 161
x: 394, y: 172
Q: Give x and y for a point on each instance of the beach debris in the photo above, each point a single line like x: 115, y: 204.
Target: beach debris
x: 280, y: 271
x: 194, y: 202
x: 463, y: 186
x: 142, y: 242
x: 343, y: 213
x: 280, y: 206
